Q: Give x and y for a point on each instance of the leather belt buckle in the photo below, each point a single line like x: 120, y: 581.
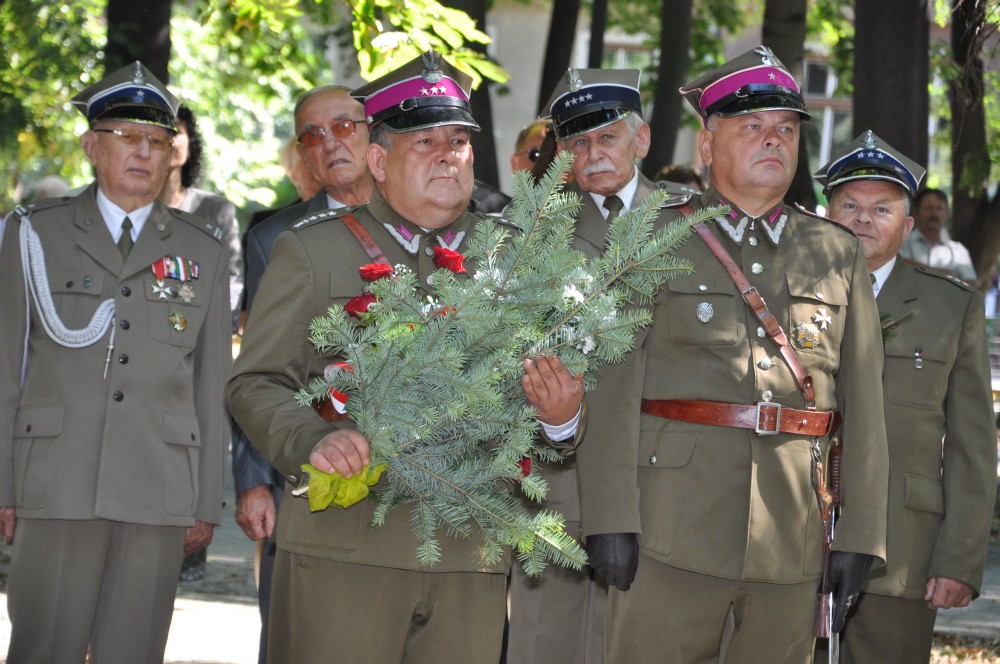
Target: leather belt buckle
x: 766, y: 410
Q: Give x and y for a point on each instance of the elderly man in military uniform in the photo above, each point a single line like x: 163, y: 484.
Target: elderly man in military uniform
x: 341, y: 586
x: 936, y: 383
x: 332, y: 140
x: 113, y: 448
x: 597, y: 115
x: 696, y: 479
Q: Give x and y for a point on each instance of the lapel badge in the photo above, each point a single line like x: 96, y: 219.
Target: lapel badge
x: 806, y: 336
x: 87, y: 281
x: 822, y: 319
x: 918, y: 358
x: 177, y: 321
x: 705, y: 312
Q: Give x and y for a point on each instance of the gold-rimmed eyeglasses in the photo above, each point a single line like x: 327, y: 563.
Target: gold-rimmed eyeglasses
x: 132, y: 137
x: 341, y: 129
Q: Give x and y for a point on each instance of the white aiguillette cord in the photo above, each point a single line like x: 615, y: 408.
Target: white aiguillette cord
x: 36, y: 281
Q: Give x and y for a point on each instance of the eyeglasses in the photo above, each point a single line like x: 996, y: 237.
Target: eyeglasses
x: 132, y: 138
x: 341, y: 129
x: 533, y: 154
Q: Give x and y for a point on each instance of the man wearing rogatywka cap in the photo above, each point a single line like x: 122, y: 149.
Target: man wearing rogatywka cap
x: 113, y: 448
x: 696, y: 484
x: 596, y: 114
x: 937, y: 387
x: 342, y: 588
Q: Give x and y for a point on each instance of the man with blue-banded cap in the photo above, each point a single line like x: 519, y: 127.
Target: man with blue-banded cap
x: 343, y: 588
x: 937, y: 388
x: 597, y: 115
x: 112, y: 451
x: 696, y: 479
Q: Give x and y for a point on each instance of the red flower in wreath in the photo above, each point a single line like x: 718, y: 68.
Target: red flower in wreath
x: 374, y: 271
x: 358, y: 306
x: 524, y: 463
x: 450, y: 259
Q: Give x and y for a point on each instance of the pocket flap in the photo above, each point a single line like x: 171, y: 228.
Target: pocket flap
x: 181, y: 430
x: 38, y: 421
x: 924, y: 494
x: 660, y: 449
x: 830, y: 291
x: 74, y: 282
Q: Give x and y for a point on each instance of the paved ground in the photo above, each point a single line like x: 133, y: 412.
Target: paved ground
x: 216, y: 620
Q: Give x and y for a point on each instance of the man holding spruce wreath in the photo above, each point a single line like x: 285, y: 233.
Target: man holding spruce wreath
x: 342, y: 588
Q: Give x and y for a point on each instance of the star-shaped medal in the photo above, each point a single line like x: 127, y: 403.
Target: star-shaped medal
x: 160, y: 289
x: 822, y: 319
x: 185, y: 292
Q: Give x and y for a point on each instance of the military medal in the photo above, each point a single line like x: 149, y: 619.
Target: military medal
x: 160, y: 289
x: 705, y: 312
x: 822, y: 319
x: 185, y: 292
x: 177, y: 321
x: 806, y: 336
x: 918, y: 358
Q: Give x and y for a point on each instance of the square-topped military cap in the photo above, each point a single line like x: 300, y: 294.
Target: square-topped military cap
x: 752, y: 82
x: 131, y: 94
x: 871, y: 158
x: 587, y: 99
x: 425, y: 92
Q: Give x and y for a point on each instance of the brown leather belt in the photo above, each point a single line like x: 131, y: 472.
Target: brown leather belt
x: 327, y: 411
x: 764, y: 417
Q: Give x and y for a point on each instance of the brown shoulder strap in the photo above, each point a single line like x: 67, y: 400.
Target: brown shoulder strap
x: 364, y: 238
x: 759, y: 308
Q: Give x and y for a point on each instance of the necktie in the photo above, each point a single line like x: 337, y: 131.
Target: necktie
x: 613, y: 205
x: 125, y: 241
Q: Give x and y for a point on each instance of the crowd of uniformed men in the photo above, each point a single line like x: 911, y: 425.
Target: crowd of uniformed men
x: 697, y: 474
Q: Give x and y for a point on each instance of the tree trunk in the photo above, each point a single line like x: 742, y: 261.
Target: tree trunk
x: 558, y: 48
x: 784, y: 32
x: 891, y: 45
x: 483, y: 145
x: 598, y: 24
x: 139, y: 31
x: 975, y: 210
x: 671, y: 74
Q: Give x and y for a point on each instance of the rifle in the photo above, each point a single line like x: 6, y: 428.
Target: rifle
x: 828, y: 496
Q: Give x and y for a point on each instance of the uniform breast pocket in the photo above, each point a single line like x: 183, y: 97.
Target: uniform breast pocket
x: 174, y: 311
x: 345, y: 285
x: 816, y: 308
x: 76, y: 296
x: 916, y: 377
x: 702, y: 313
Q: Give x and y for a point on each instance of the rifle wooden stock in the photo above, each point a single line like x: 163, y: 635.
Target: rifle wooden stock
x: 828, y: 495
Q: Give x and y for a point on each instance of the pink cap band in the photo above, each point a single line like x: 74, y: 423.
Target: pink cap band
x: 409, y: 89
x: 762, y: 75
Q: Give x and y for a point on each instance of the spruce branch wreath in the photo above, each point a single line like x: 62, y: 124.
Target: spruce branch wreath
x: 434, y: 382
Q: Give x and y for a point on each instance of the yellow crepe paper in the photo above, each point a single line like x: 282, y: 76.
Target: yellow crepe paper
x: 327, y: 489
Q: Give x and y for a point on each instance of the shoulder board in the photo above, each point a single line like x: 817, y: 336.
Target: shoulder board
x: 324, y: 215
x: 680, y: 194
x: 931, y: 272
x: 809, y: 213
x: 44, y: 204
x: 200, y: 223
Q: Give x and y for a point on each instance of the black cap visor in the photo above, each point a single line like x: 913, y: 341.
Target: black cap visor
x: 581, y: 124
x: 737, y: 104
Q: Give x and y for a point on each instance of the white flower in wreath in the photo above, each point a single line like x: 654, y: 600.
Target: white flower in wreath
x: 572, y: 294
x: 586, y: 344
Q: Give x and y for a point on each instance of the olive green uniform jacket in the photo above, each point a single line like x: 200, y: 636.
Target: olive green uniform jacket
x: 314, y: 266
x: 724, y: 501
x: 937, y: 385
x: 147, y: 444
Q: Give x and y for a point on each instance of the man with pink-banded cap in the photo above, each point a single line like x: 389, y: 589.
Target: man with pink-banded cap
x: 344, y: 590
x: 696, y: 479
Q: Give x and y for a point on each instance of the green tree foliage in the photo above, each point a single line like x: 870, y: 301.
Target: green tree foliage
x: 51, y: 51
